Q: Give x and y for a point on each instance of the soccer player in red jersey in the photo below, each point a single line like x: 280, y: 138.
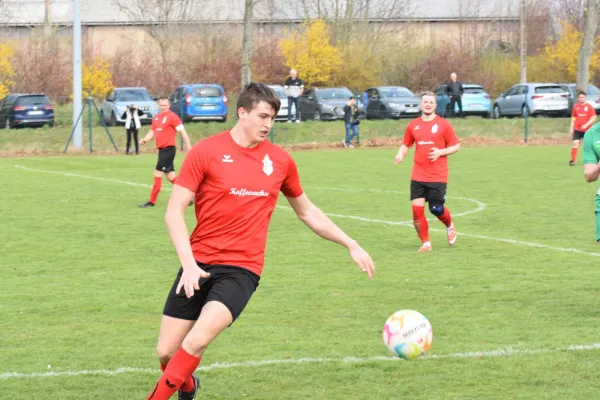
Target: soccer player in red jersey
x: 234, y: 178
x: 435, y: 140
x: 582, y: 119
x: 165, y: 126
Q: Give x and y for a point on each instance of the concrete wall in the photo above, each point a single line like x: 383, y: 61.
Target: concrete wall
x: 108, y: 39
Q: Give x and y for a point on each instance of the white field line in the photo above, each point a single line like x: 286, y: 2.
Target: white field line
x: 480, y: 207
x: 507, y: 352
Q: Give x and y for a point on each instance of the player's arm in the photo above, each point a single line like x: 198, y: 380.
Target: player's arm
x: 149, y: 136
x: 591, y: 164
x: 451, y: 140
x: 319, y: 223
x: 450, y: 150
x: 402, y: 152
x: 186, y: 139
x: 591, y: 172
x: 572, y: 127
x: 407, y: 142
x: 190, y: 177
x: 590, y: 122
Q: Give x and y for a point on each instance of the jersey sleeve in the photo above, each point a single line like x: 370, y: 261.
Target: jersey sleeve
x: 291, y: 186
x: 194, y: 168
x: 450, y: 135
x: 175, y: 120
x: 409, y: 139
x: 589, y: 154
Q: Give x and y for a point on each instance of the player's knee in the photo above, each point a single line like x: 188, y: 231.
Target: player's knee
x: 195, y: 344
x: 436, y: 209
x: 165, y: 353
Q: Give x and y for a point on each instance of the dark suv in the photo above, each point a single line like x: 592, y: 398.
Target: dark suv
x: 21, y: 110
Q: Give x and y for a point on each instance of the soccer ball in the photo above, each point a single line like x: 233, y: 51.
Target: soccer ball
x: 407, y: 334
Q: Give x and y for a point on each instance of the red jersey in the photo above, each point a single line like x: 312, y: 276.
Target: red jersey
x: 236, y: 190
x: 581, y: 115
x: 427, y: 135
x: 165, y: 129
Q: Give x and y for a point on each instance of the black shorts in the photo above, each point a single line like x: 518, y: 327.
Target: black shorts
x: 578, y: 135
x: 230, y: 285
x: 433, y: 192
x: 166, y: 156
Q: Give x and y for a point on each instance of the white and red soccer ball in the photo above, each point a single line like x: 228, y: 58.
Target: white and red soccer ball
x: 407, y: 334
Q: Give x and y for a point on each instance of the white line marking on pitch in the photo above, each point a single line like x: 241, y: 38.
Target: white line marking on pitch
x: 507, y: 352
x: 357, y: 218
x: 480, y: 205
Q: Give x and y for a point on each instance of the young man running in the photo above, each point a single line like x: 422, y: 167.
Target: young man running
x: 435, y: 141
x: 165, y: 126
x: 235, y: 178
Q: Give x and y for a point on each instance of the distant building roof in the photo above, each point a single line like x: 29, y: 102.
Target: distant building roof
x: 107, y: 12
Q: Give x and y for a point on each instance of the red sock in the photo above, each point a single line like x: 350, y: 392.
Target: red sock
x: 171, y: 180
x: 188, y: 385
x: 446, y: 218
x: 155, y: 190
x: 573, y: 154
x: 421, y: 224
x: 181, y: 366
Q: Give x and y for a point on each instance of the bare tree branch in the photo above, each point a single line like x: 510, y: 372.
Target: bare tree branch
x: 162, y: 19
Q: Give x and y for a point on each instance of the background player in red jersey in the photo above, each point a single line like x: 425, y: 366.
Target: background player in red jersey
x: 435, y: 140
x: 582, y: 119
x: 235, y: 178
x: 165, y: 126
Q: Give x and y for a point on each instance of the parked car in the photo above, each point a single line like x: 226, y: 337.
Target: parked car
x: 326, y: 104
x: 593, y: 95
x: 391, y: 102
x: 200, y: 102
x: 532, y: 99
x: 283, y: 110
x: 475, y: 101
x: 117, y: 101
x: 26, y: 110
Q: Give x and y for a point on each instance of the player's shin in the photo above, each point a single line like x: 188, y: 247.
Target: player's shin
x: 420, y: 222
x: 179, y: 369
x: 155, y: 190
x: 188, y: 384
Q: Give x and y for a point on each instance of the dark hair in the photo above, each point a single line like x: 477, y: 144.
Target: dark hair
x: 581, y: 92
x: 163, y: 98
x: 255, y: 93
x: 351, y: 97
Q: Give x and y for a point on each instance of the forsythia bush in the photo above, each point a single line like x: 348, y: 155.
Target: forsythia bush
x: 96, y: 78
x: 308, y: 51
x: 7, y: 71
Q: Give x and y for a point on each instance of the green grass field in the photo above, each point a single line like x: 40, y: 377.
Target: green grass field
x: 85, y: 273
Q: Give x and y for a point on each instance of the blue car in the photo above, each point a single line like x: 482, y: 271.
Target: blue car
x: 26, y: 110
x: 200, y: 102
x: 475, y: 101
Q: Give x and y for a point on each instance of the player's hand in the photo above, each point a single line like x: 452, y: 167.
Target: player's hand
x: 398, y: 159
x: 190, y: 280
x: 363, y: 260
x: 435, y: 153
x: 571, y: 133
x: 142, y: 141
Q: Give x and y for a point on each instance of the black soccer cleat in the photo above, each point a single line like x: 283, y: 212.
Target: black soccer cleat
x: 571, y: 163
x: 146, y: 205
x: 190, y: 395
